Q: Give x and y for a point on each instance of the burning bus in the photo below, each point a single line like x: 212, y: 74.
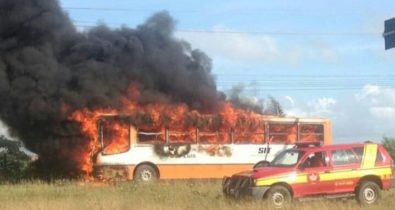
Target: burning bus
x: 128, y: 103
x: 129, y: 149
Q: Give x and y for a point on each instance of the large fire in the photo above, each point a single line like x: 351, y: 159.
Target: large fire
x: 49, y: 70
x: 178, y: 121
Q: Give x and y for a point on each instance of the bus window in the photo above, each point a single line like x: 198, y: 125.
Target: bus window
x: 182, y: 137
x: 151, y: 136
x: 254, y: 137
x: 216, y: 137
x: 283, y: 133
x: 311, y: 133
x: 115, y: 136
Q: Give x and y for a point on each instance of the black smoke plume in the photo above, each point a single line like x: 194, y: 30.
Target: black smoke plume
x: 48, y: 69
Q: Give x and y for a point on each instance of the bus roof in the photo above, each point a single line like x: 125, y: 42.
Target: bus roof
x: 271, y: 118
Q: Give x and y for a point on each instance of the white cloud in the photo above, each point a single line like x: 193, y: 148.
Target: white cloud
x: 324, y: 52
x: 329, y: 55
x: 290, y: 99
x: 314, y: 108
x: 295, y: 55
x: 223, y: 42
x: 383, y: 112
x: 366, y: 115
x: 368, y: 90
x: 381, y: 101
x: 322, y: 105
x: 226, y: 43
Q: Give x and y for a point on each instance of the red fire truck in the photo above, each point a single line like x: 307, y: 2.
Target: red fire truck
x: 360, y: 170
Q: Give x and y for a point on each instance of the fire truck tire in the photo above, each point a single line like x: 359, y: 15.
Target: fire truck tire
x: 368, y: 193
x: 146, y: 173
x: 259, y: 164
x: 279, y: 196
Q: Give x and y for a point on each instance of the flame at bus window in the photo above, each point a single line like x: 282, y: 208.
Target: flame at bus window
x: 249, y: 131
x: 283, y: 133
x: 214, y: 137
x: 150, y: 136
x: 115, y: 136
x: 245, y: 137
x: 311, y: 133
x: 188, y: 136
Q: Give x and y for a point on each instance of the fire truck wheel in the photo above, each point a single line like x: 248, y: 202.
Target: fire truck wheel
x: 279, y: 196
x: 225, y: 187
x: 146, y: 173
x: 368, y: 193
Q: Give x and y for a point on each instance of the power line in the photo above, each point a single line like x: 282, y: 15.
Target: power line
x: 285, y: 82
x: 303, y: 84
x: 307, y: 75
x: 302, y: 89
x: 258, y: 33
x: 309, y: 84
x: 312, y: 83
x: 232, y: 78
x: 284, y: 33
x: 260, y: 11
x: 302, y: 79
x: 298, y: 84
x: 108, y: 9
x: 101, y: 9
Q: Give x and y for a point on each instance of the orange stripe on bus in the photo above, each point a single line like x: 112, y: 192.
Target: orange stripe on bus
x: 197, y: 171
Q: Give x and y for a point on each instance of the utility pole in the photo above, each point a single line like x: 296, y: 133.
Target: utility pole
x: 389, y: 33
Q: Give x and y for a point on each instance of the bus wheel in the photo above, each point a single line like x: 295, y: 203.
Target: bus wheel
x: 263, y: 163
x: 368, y: 193
x: 279, y: 196
x: 146, y: 173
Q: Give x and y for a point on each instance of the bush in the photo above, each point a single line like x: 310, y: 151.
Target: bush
x: 14, y: 164
x: 14, y: 167
x: 389, y: 144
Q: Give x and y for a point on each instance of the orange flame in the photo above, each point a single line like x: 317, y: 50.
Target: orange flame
x: 182, y: 122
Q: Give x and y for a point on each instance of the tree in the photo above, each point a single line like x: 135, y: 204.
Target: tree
x: 389, y: 144
x: 11, y: 146
x: 14, y: 164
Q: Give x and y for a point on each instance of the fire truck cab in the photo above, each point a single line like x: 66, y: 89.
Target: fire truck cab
x: 360, y: 170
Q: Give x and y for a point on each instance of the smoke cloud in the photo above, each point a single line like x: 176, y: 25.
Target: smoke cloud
x: 48, y: 70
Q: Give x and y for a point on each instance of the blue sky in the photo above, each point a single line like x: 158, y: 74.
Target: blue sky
x: 318, y: 58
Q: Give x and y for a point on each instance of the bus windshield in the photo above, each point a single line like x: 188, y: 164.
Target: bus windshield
x: 115, y: 136
x: 287, y: 158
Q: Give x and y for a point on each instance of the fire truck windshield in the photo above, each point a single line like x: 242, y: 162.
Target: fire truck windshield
x: 287, y: 158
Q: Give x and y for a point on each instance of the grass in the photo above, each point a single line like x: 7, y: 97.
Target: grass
x: 163, y: 195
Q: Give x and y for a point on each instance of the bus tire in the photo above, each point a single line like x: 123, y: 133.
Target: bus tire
x: 263, y: 163
x: 368, y: 193
x: 146, y: 173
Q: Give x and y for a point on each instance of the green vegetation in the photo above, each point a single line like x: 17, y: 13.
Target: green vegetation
x: 14, y: 164
x: 163, y: 195
x: 389, y: 144
x: 198, y: 194
x: 14, y: 167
